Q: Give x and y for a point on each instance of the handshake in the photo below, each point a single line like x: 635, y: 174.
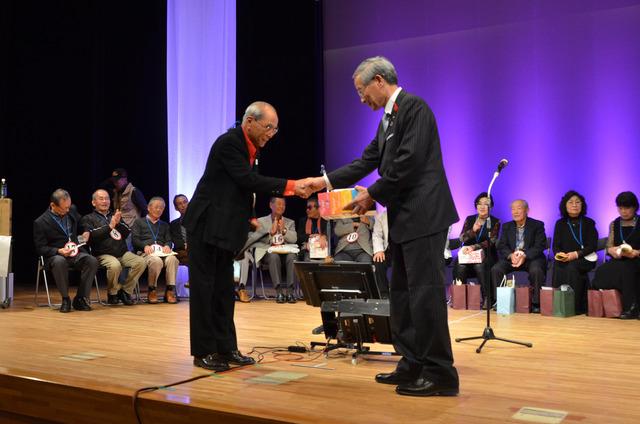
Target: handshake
x: 307, y: 186
x: 360, y: 204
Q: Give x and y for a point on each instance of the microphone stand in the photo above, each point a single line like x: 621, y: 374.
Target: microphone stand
x: 488, y: 333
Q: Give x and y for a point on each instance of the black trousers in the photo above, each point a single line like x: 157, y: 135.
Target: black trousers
x: 212, y: 298
x: 537, y: 270
x: 83, y: 262
x: 574, y: 273
x: 419, y: 327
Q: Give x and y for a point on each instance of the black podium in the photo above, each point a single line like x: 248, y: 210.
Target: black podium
x: 351, y: 305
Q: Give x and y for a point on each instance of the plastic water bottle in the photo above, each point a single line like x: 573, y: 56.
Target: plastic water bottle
x: 3, y: 188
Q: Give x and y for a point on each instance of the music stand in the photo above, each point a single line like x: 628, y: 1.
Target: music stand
x: 350, y: 290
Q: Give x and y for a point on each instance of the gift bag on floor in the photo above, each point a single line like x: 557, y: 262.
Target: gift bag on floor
x: 524, y: 297
x: 546, y: 301
x: 564, y: 302
x: 458, y: 296
x: 594, y: 301
x: 612, y: 303
x: 506, y: 298
x: 474, y: 297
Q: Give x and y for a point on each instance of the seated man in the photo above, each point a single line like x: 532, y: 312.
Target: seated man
x: 381, y: 251
x: 354, y: 242
x: 108, y: 234
x: 274, y: 230
x: 55, y: 235
x: 152, y: 240
x: 311, y: 226
x: 521, y: 248
x: 178, y: 232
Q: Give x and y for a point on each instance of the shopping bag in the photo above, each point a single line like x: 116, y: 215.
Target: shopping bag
x: 594, y: 302
x: 546, y: 301
x: 564, y: 302
x: 474, y: 297
x: 506, y: 299
x: 612, y: 303
x: 458, y: 296
x: 524, y: 297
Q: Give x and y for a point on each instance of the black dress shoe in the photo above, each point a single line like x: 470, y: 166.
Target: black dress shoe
x: 112, y: 299
x: 66, y: 305
x: 291, y: 298
x: 237, y: 358
x: 424, y: 387
x: 280, y: 298
x: 393, y: 378
x: 81, y: 304
x: 124, y: 297
x: 212, y: 362
x: 631, y: 313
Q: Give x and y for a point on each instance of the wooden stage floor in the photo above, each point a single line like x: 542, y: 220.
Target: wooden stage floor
x: 86, y: 367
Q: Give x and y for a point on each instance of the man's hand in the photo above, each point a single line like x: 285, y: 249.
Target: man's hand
x: 274, y: 227
x: 86, y: 235
x: 362, y: 203
x: 303, y: 188
x: 166, y: 249
x: 115, y: 219
x: 316, y: 183
x: 323, y: 241
x: 255, y: 224
x: 63, y: 251
x: 378, y: 257
x: 281, y: 228
x: 148, y: 250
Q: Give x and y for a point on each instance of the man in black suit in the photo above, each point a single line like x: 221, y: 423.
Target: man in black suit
x: 178, y: 232
x: 55, y: 235
x: 217, y: 223
x: 420, y: 208
x: 521, y: 248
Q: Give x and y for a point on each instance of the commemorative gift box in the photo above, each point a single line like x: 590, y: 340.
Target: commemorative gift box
x: 473, y: 257
x: 332, y: 204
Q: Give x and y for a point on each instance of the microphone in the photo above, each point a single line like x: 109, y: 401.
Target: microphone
x: 502, y: 165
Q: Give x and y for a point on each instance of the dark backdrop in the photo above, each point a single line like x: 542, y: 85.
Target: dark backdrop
x: 83, y: 88
x: 83, y: 91
x: 279, y: 60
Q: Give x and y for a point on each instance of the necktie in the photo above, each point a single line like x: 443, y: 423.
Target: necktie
x: 385, y: 121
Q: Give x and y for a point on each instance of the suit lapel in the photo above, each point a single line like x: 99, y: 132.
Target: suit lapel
x: 383, y: 135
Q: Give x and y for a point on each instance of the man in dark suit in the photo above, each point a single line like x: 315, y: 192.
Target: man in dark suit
x: 521, y: 248
x: 178, y: 232
x: 217, y: 223
x: 55, y: 235
x: 420, y: 208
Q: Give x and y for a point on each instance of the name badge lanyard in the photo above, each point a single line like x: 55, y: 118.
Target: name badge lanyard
x: 632, y: 231
x: 479, y: 235
x: 154, y: 235
x: 65, y: 229
x: 573, y: 233
x: 519, y: 239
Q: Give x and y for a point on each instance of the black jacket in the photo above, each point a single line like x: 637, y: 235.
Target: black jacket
x: 177, y: 238
x: 48, y: 236
x: 100, y: 238
x: 413, y: 184
x: 222, y: 202
x: 535, y: 239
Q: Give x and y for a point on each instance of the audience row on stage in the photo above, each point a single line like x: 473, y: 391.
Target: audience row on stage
x: 521, y: 245
x: 128, y: 235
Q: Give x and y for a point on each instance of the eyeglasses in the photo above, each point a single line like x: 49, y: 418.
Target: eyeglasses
x: 309, y: 207
x: 361, y: 91
x: 269, y: 127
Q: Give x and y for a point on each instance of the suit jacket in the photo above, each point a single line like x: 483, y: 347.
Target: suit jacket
x: 48, y: 237
x: 222, y: 202
x: 412, y: 182
x: 177, y: 238
x: 535, y: 239
x: 261, y: 238
x: 344, y: 227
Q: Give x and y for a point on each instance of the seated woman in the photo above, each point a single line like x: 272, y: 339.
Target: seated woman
x: 478, y: 233
x: 575, y: 240
x: 623, y: 271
